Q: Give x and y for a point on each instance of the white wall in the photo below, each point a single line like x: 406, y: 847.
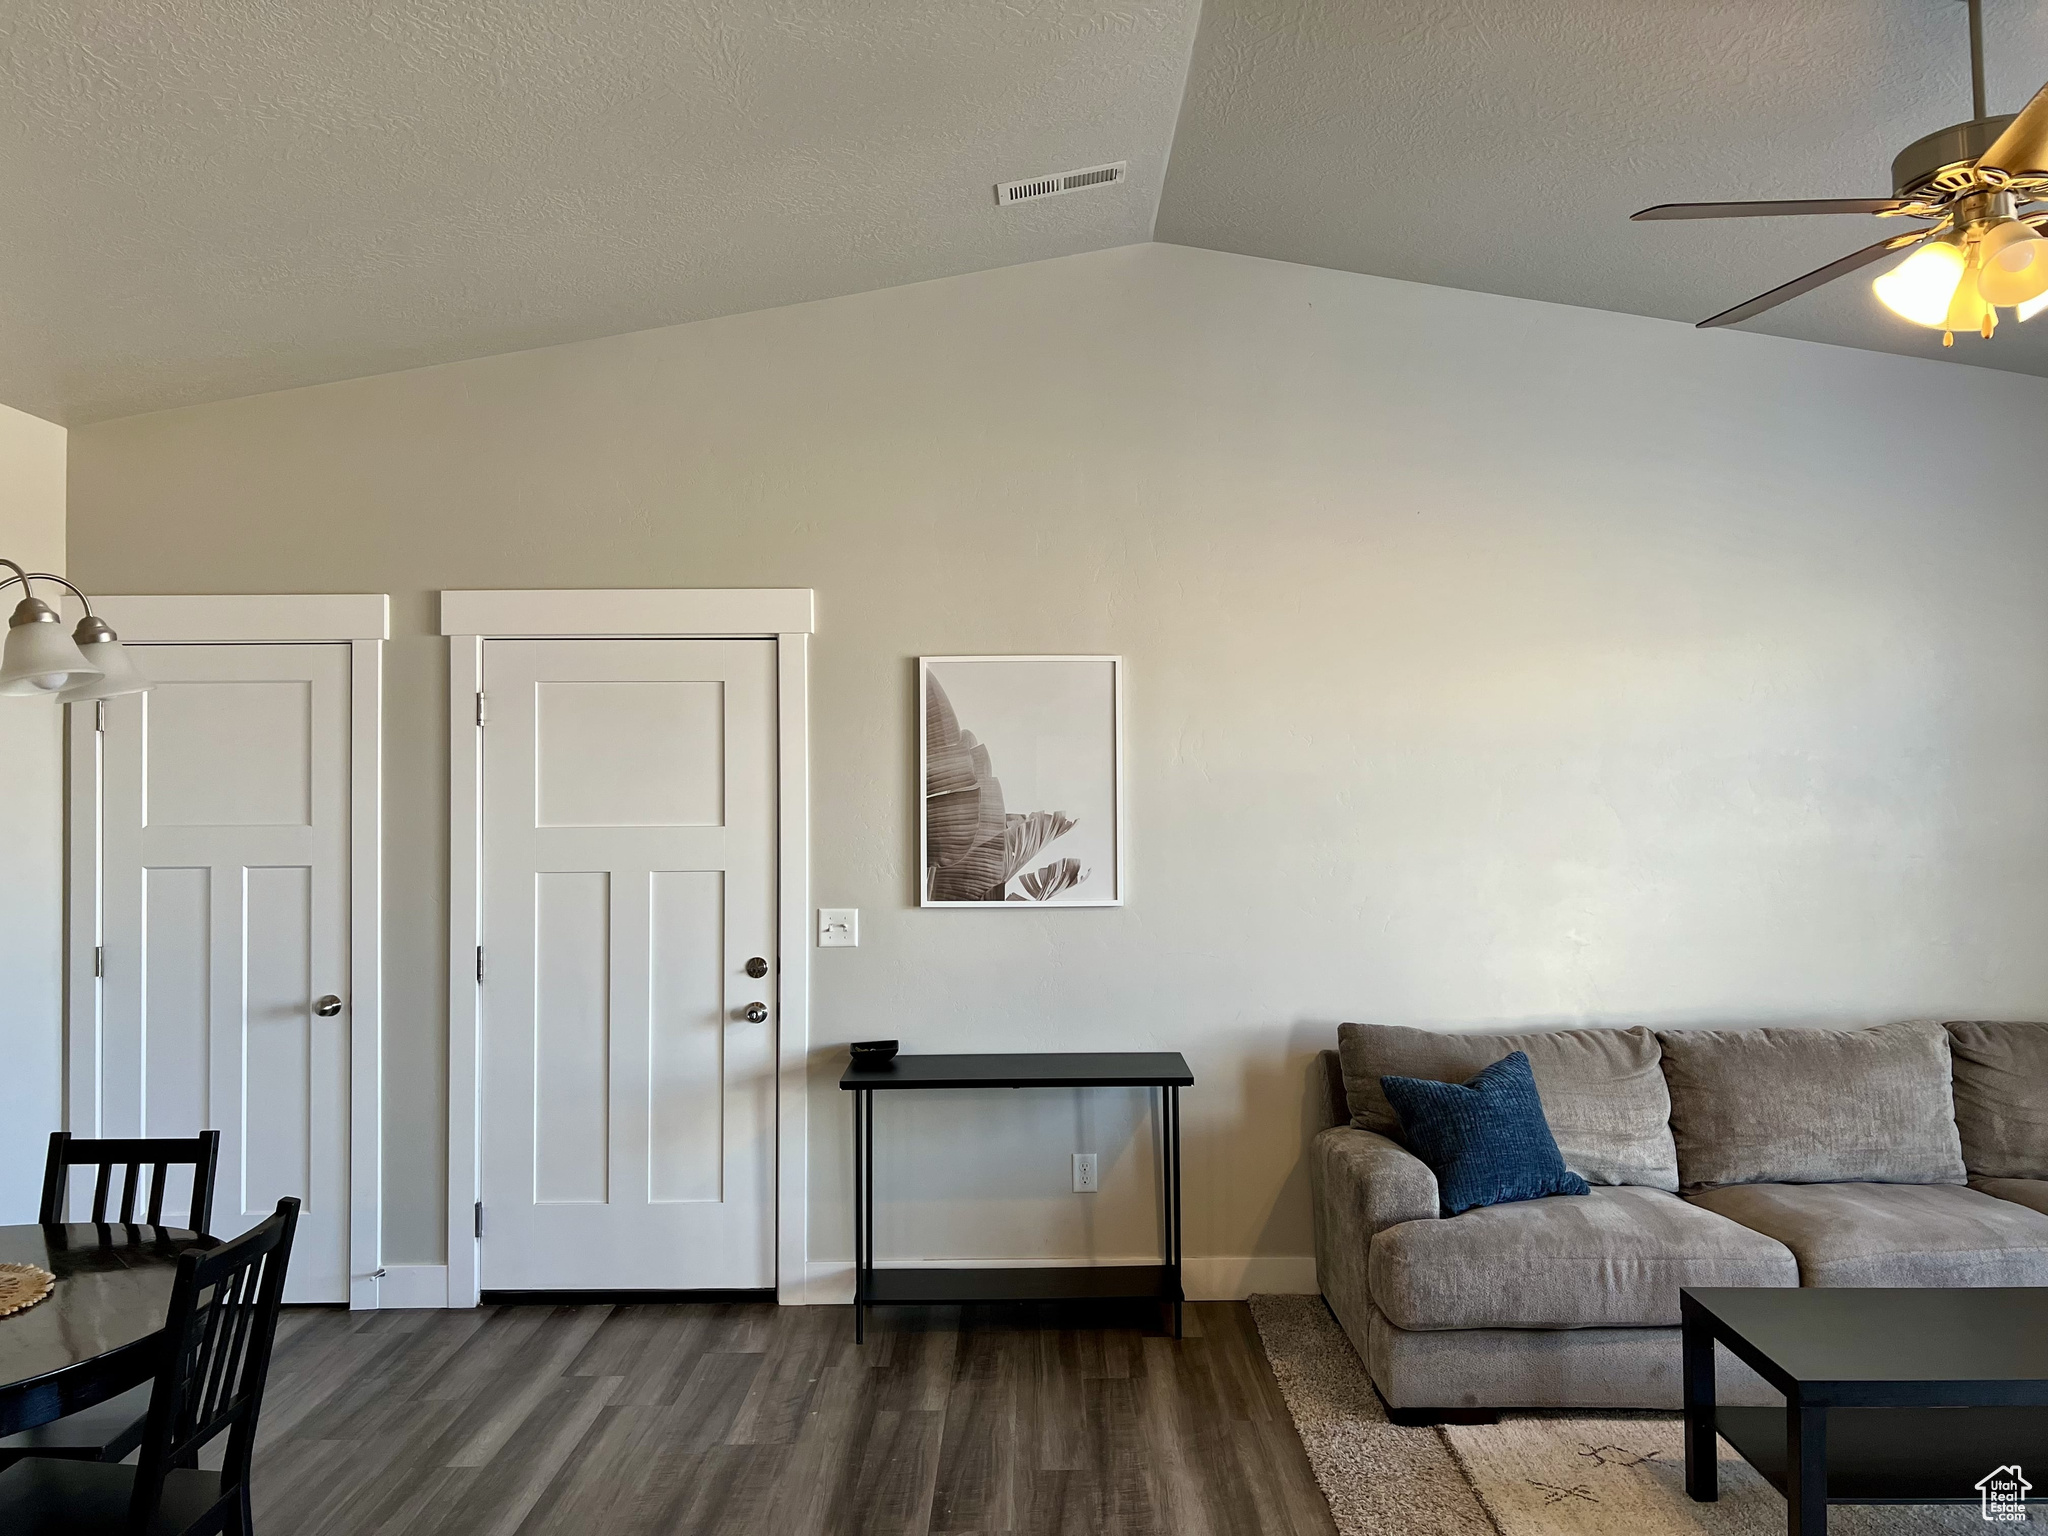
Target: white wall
x: 1489, y: 662
x: 31, y: 834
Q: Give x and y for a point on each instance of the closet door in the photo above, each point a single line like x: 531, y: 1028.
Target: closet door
x: 224, y: 923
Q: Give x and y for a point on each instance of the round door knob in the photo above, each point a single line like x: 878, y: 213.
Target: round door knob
x: 757, y: 1013
x: 327, y: 1007
x: 757, y: 967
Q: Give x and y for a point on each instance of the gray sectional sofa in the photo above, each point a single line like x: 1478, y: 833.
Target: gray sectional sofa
x: 1906, y: 1154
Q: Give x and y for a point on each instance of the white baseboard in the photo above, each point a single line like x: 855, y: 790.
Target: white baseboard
x: 412, y: 1285
x: 829, y: 1282
x: 1233, y: 1279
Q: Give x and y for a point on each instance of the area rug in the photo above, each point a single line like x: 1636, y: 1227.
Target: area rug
x: 1532, y: 1474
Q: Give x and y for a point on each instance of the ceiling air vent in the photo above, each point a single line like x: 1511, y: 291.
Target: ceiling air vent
x: 1009, y: 192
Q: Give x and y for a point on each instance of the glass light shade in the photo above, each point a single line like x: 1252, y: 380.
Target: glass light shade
x: 40, y: 657
x: 1921, y: 287
x: 102, y: 649
x: 2033, y: 307
x: 1967, y: 309
x: 2014, y: 264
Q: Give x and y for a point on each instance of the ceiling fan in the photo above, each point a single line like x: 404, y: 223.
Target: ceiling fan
x: 1980, y: 252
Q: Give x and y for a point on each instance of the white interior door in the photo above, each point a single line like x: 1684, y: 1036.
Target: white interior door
x: 224, y: 917
x: 627, y: 884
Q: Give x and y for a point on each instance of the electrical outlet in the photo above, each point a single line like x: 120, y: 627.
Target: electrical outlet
x: 838, y: 928
x: 1084, y: 1173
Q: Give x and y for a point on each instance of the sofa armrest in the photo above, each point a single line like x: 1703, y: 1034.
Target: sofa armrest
x: 1331, y: 1106
x: 1365, y: 1183
x: 1360, y: 1184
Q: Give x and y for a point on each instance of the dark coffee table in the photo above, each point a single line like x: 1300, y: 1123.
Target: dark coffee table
x: 1891, y: 1396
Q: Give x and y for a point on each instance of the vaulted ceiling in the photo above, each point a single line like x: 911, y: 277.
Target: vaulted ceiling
x: 207, y: 198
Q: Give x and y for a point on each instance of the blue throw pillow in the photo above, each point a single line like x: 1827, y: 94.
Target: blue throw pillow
x: 1486, y: 1140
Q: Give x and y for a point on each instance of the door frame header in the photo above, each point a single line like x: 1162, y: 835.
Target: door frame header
x: 226, y: 618
x: 700, y: 613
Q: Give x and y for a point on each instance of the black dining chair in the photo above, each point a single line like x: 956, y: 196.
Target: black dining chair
x: 109, y: 1431
x: 132, y: 1154
x: 209, y: 1381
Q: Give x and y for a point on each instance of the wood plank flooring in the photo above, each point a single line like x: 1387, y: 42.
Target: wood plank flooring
x: 757, y: 1420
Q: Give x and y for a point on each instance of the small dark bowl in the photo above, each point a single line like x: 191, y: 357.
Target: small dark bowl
x: 873, y: 1053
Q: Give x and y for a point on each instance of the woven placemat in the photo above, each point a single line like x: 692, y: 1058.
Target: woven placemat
x: 23, y: 1285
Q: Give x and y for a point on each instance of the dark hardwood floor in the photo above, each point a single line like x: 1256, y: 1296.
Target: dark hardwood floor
x: 756, y: 1420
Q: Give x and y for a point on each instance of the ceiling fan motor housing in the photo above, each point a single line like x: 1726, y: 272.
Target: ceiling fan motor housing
x: 1922, y: 165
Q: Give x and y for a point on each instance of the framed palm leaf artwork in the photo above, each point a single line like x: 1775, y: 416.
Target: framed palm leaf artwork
x: 1022, y: 767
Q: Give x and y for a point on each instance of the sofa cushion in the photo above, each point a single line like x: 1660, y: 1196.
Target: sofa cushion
x: 1812, y: 1106
x: 1893, y: 1234
x: 2001, y: 1078
x: 1602, y: 1093
x: 1613, y: 1258
x: 2032, y: 1193
x: 1541, y: 1368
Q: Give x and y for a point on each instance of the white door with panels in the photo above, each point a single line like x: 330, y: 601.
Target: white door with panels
x: 224, y: 929
x: 627, y: 986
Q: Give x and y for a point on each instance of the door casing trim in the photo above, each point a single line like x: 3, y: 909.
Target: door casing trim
x: 361, y: 621
x: 784, y: 615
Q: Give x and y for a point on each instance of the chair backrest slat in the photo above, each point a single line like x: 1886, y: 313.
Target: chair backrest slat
x: 217, y: 1356
x: 134, y: 1173
x: 159, y: 1154
x: 217, y: 1335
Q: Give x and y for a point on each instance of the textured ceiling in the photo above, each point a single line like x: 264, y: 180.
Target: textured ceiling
x: 205, y: 198
x: 1502, y: 144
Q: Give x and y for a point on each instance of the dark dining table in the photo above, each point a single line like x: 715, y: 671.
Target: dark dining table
x: 95, y: 1335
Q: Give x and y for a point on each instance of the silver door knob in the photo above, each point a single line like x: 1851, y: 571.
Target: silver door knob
x: 756, y: 1013
x: 327, y: 1007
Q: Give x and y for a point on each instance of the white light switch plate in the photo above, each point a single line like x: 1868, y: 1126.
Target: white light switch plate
x: 838, y: 927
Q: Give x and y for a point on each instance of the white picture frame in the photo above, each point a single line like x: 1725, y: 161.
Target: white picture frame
x: 1059, y: 722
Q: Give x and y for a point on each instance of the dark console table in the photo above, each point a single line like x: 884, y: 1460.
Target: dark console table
x: 1891, y: 1396
x: 1167, y: 1071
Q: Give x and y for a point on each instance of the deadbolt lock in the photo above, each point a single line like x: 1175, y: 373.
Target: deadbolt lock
x: 757, y: 967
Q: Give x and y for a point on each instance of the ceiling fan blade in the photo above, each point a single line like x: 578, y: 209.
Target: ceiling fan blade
x: 1771, y: 210
x: 1816, y: 278
x: 2024, y: 144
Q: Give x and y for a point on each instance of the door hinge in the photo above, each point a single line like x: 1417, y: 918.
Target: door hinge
x: 99, y: 714
x: 481, y: 712
x: 479, y: 962
x: 479, y: 1218
x: 99, y: 959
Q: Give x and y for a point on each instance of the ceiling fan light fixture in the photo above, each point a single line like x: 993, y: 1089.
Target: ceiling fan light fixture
x: 1922, y: 288
x: 2014, y: 258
